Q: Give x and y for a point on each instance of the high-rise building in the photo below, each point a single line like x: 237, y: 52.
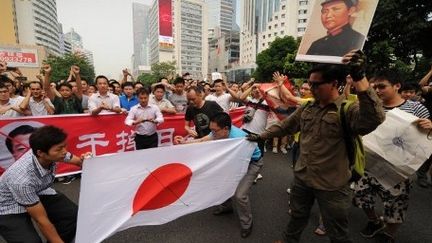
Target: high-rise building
x: 8, y: 25
x: 36, y: 23
x: 140, y: 20
x: 74, y: 39
x: 77, y: 45
x: 262, y: 21
x: 185, y: 41
x: 221, y: 14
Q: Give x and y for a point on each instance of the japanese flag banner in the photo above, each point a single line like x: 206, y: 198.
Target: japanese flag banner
x: 155, y: 186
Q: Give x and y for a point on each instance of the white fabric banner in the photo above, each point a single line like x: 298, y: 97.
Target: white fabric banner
x: 396, y: 149
x: 155, y: 186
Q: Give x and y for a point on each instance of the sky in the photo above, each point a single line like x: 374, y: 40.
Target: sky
x: 106, y: 30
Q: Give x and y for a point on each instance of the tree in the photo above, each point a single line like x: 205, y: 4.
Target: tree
x: 61, y: 67
x: 400, y: 33
x: 147, y: 79
x: 280, y: 56
x: 163, y: 69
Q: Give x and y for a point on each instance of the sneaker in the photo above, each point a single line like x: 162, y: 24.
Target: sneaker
x: 283, y: 150
x: 289, y: 190
x: 422, y: 182
x: 68, y: 180
x: 372, y: 228
x: 258, y: 177
x: 383, y: 237
x: 275, y: 150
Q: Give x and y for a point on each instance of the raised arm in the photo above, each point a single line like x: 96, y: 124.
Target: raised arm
x: 425, y: 79
x: 46, y: 85
x: 285, y: 95
x: 75, y: 71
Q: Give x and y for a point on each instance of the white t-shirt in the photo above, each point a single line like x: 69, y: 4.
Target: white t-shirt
x: 222, y: 100
x: 96, y: 99
x: 259, y: 121
x: 15, y: 102
x: 38, y: 108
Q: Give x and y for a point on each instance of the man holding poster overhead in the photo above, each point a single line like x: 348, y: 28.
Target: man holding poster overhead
x: 341, y: 38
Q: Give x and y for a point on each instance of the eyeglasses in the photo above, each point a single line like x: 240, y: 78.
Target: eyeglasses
x: 316, y: 84
x: 380, y: 86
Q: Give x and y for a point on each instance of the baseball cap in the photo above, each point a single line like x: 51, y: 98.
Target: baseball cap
x: 348, y: 2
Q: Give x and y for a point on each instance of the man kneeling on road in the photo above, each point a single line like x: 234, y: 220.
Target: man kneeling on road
x: 221, y: 128
x: 26, y: 193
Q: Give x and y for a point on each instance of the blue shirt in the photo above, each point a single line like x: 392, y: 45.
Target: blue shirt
x: 236, y: 132
x: 127, y: 104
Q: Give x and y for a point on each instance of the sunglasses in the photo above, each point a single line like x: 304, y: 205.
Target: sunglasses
x: 316, y: 84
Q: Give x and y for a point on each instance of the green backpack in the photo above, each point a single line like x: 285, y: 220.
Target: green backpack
x: 353, y: 144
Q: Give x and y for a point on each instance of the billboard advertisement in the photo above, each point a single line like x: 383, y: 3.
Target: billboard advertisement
x: 165, y: 24
x: 19, y: 57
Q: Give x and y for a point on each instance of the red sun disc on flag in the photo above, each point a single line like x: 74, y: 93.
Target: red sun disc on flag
x: 162, y: 187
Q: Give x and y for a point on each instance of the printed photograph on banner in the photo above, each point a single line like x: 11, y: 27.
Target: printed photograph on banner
x: 14, y: 141
x: 335, y: 27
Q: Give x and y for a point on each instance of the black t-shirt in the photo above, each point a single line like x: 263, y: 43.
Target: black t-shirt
x: 201, y: 116
x: 428, y: 101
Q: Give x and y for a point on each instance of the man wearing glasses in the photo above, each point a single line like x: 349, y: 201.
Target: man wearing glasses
x: 322, y: 171
x: 395, y: 200
x: 221, y: 128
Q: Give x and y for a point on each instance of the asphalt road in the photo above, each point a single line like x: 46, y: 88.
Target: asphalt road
x: 270, y: 210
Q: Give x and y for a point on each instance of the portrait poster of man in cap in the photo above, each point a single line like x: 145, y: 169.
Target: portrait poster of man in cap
x: 336, y: 27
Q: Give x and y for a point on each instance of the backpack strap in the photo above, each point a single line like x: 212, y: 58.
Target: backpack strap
x: 347, y: 132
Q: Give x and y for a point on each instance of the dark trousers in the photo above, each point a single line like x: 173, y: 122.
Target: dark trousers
x: 334, y: 206
x: 423, y: 170
x: 61, y: 211
x: 145, y: 142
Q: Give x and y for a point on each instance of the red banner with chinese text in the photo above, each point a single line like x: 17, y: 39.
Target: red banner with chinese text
x: 103, y: 134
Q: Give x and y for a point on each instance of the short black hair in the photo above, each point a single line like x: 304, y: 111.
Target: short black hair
x: 179, y: 80
x: 126, y: 84
x: 6, y: 79
x: 331, y: 72
x: 65, y: 85
x: 44, y: 138
x: 198, y: 89
x: 143, y: 91
x: 101, y: 76
x: 409, y: 86
x: 3, y: 86
x: 217, y: 81
x: 137, y: 83
x: 94, y: 86
x: 115, y: 82
x: 391, y: 75
x: 35, y: 82
x: 222, y: 119
x: 159, y: 86
x: 21, y: 130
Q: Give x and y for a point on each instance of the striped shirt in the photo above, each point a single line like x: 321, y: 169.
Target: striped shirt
x: 412, y: 107
x: 23, y: 182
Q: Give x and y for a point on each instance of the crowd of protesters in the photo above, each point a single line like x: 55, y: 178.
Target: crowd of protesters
x: 320, y: 163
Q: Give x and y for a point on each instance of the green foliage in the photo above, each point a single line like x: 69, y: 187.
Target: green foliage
x: 280, y: 56
x: 163, y: 69
x: 400, y: 36
x: 147, y: 79
x: 61, y: 67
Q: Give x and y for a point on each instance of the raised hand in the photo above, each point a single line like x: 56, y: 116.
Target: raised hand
x: 356, y: 61
x: 47, y: 69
